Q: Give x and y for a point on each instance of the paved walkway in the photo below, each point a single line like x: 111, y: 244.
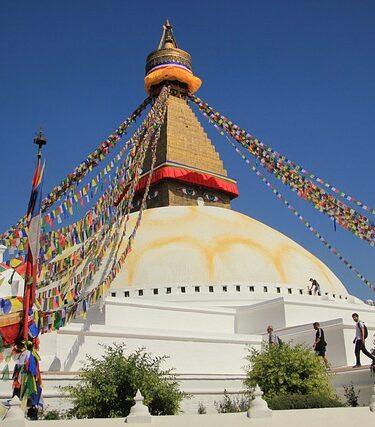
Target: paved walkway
x: 349, y: 368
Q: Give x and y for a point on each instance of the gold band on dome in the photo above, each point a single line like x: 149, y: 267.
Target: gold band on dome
x: 172, y: 73
x: 162, y: 56
x: 10, y: 319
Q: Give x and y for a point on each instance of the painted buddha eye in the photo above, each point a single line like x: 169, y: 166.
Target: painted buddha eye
x: 153, y: 195
x: 211, y: 197
x: 189, y: 192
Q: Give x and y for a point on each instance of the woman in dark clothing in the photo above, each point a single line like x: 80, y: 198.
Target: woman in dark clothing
x: 320, y: 343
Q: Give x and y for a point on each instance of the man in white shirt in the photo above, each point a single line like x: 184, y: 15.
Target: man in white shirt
x: 359, y: 341
x: 315, y: 287
x: 273, y: 339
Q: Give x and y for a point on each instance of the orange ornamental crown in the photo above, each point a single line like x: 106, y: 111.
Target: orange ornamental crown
x: 169, y: 63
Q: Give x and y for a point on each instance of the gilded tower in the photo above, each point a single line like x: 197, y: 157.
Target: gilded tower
x: 188, y: 169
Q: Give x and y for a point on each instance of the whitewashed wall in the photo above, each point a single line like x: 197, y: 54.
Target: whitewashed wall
x: 343, y: 417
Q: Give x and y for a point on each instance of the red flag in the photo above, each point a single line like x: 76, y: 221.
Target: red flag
x: 33, y: 224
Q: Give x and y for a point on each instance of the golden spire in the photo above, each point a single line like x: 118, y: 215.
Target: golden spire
x: 169, y: 63
x: 188, y: 169
x: 167, y: 40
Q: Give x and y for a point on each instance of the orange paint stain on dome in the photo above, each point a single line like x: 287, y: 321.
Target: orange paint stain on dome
x: 157, y: 245
x: 210, y: 245
x: 285, y: 249
x: 224, y: 244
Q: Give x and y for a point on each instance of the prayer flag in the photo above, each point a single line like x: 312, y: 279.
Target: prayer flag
x: 33, y: 218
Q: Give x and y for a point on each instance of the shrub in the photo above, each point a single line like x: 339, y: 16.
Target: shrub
x: 50, y: 415
x: 108, y: 385
x: 280, y: 370
x: 54, y: 414
x: 232, y: 404
x: 300, y: 401
x: 351, y: 396
x: 202, y: 409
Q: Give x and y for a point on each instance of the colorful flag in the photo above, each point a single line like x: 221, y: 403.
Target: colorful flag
x: 27, y: 382
x: 33, y: 218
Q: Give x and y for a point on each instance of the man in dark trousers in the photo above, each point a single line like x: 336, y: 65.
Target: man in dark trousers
x: 320, y: 343
x: 359, y: 341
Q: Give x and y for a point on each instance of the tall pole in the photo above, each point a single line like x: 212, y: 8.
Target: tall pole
x: 40, y: 140
x: 31, y: 264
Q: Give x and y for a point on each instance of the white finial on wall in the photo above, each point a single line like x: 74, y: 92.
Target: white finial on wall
x: 258, y: 406
x: 139, y: 412
x: 2, y: 250
x: 372, y: 400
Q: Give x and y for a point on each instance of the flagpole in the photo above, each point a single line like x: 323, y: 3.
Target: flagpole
x: 40, y: 140
x: 27, y: 381
x: 31, y: 270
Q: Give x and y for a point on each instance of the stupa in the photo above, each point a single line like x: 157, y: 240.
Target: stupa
x: 203, y: 281
x: 201, y: 245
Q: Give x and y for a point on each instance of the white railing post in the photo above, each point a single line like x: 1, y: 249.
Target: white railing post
x: 2, y: 250
x: 372, y: 400
x: 139, y: 412
x: 258, y: 407
x: 15, y: 417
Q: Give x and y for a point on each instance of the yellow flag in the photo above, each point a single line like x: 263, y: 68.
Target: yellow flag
x: 14, y: 263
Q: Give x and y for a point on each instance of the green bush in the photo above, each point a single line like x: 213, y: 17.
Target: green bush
x: 280, y: 370
x: 54, y: 414
x: 351, y: 396
x: 108, y: 385
x: 50, y: 415
x: 300, y: 401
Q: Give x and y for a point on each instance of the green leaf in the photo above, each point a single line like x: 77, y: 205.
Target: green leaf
x: 287, y: 370
x: 108, y: 385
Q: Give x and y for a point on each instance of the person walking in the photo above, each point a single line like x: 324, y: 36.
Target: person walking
x: 320, y: 343
x: 359, y: 341
x: 315, y: 287
x: 273, y: 339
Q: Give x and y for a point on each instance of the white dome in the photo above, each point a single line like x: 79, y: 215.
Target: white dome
x: 200, y: 245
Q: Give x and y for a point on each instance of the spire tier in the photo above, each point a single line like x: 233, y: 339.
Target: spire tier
x: 169, y: 63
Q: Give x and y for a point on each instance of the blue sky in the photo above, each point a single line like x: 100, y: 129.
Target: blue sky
x: 297, y: 74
